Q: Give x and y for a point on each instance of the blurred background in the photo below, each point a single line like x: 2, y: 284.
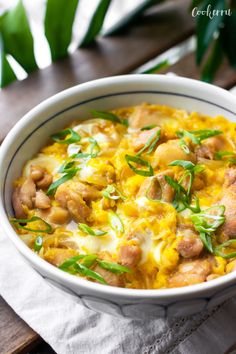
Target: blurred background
x: 44, y: 31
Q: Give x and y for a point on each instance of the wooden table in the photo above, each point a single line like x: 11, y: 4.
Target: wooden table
x: 159, y: 30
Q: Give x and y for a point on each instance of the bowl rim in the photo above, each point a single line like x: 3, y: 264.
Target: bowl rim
x: 65, y: 278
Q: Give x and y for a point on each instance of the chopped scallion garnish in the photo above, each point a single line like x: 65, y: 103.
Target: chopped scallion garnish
x: 109, y: 116
x: 150, y: 144
x: 73, y: 136
x: 88, y: 230
x: 69, y: 175
x: 148, y: 127
x: 113, y: 267
x: 218, y: 251
x: 139, y: 162
x: 116, y: 222
x: 206, y: 223
x: 196, y: 136
x: 48, y: 228
x: 111, y: 192
x: 93, y: 152
x: 38, y: 243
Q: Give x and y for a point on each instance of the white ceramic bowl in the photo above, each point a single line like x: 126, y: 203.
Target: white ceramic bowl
x: 32, y: 132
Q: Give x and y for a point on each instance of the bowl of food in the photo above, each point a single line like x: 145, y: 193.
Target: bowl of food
x: 122, y: 192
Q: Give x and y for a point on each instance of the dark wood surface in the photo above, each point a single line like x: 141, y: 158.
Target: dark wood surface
x: 15, y: 335
x: 154, y: 33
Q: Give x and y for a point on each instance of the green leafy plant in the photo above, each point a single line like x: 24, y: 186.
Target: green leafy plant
x: 216, y: 36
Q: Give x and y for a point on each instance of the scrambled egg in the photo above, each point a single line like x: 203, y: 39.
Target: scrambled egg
x: 126, y: 198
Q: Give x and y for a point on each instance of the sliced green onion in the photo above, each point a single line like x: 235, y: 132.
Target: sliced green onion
x: 69, y: 175
x: 94, y: 150
x: 109, y: 116
x: 85, y: 271
x: 66, y: 167
x: 207, y: 241
x: 89, y: 260
x: 115, y: 222
x: 184, y: 146
x: 73, y: 138
x: 150, y: 144
x: 48, y: 228
x: 71, y: 261
x: 148, y: 127
x: 218, y: 249
x: 137, y: 160
x: 113, y: 267
x: 188, y: 165
x: 197, y: 136
x: 109, y: 193
x: 206, y: 223
x: 38, y: 243
x: 88, y: 230
x: 210, y: 219
x: 230, y: 156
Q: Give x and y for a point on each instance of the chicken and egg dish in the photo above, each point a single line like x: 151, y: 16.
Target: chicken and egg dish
x: 141, y: 197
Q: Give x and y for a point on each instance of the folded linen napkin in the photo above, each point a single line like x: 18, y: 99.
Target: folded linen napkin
x: 72, y: 329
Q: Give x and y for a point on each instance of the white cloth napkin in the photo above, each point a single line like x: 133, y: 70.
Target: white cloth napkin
x: 72, y: 329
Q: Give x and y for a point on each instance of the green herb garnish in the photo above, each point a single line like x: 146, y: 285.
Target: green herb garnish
x: 150, y: 144
x: 88, y: 230
x: 115, y: 222
x: 73, y: 136
x: 111, y: 192
x: 148, y: 127
x: 67, y: 176
x: 85, y: 271
x: 94, y: 150
x: 229, y: 155
x: 206, y: 223
x: 48, y: 228
x: 66, y: 167
x: 113, y: 267
x: 74, y: 266
x: 109, y: 116
x: 218, y: 249
x: 38, y: 243
x: 190, y: 168
x: 196, y: 136
x: 138, y: 161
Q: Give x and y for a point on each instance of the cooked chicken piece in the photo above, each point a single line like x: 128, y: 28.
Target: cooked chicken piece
x: 23, y: 196
x: 57, y: 256
x: 17, y: 204
x: 42, y: 201
x: 229, y: 201
x: 27, y: 192
x: 129, y: 255
x: 190, y: 272
x: 77, y: 208
x: 230, y: 177
x: 40, y: 176
x: 70, y: 198
x: 170, y: 151
x: 157, y: 188
x: 189, y: 247
x: 228, y: 229
x: 140, y: 138
x: 56, y: 215
x: 210, y: 146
